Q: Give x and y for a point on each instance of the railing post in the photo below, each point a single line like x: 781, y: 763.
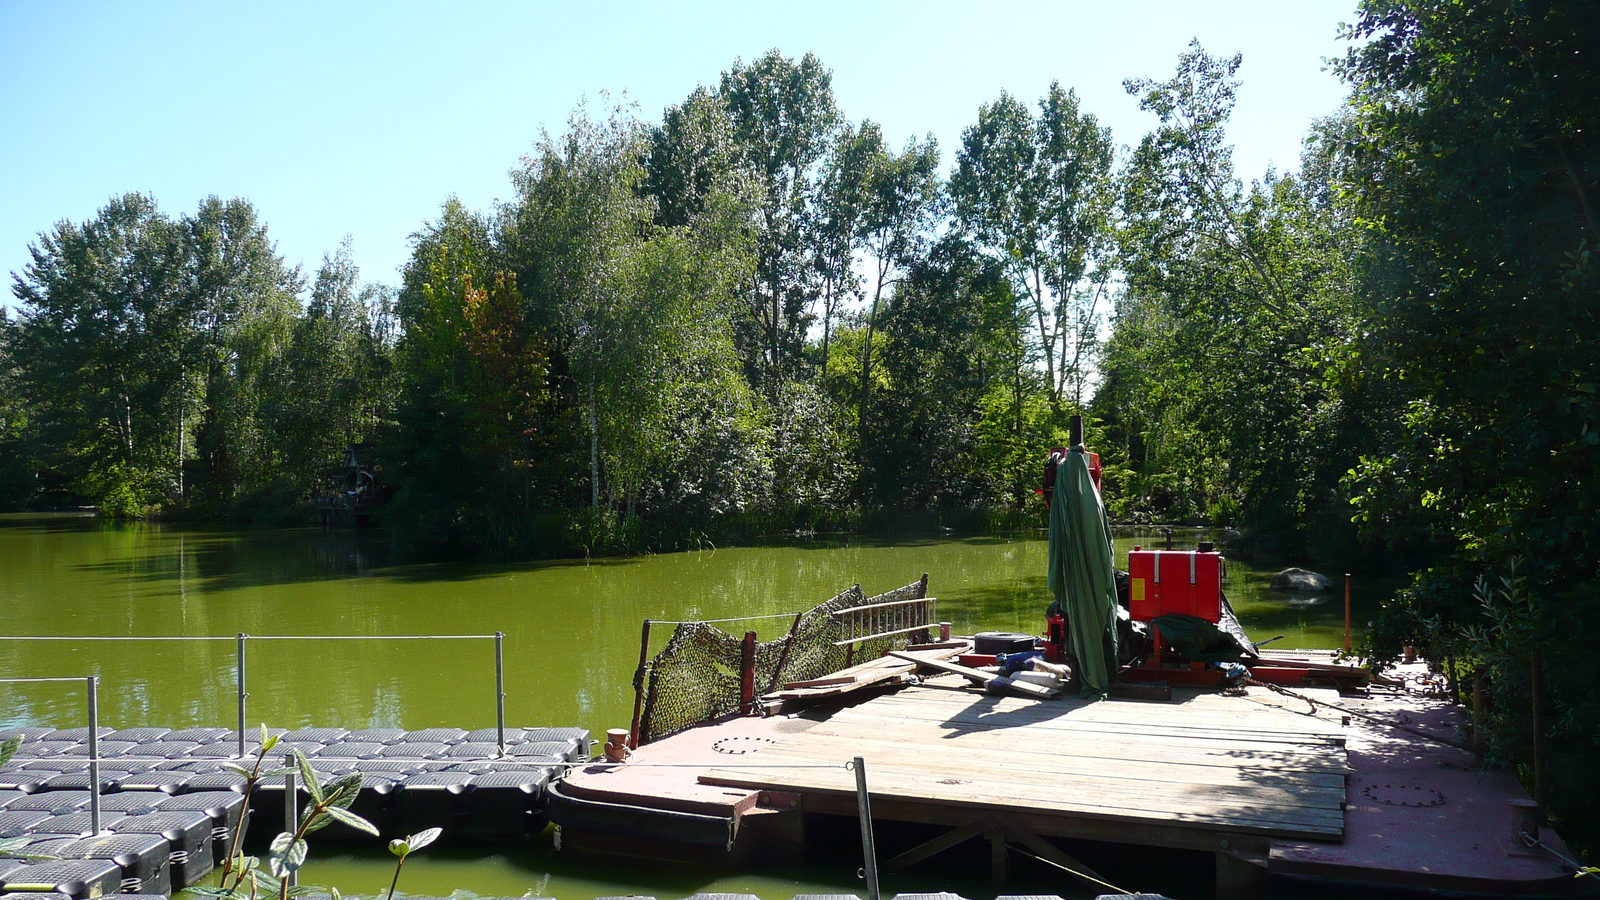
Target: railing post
x: 500, y: 689
x: 747, y: 673
x: 291, y: 815
x: 238, y: 671
x: 93, y: 684
x: 864, y: 808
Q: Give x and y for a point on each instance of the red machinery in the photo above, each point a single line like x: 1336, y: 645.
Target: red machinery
x: 1175, y: 581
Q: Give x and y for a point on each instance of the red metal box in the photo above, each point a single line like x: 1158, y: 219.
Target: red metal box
x: 1175, y: 581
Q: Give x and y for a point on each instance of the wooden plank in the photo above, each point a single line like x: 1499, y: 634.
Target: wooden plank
x: 1245, y: 814
x: 861, y: 681
x: 964, y: 719
x: 1001, y: 796
x: 1329, y: 767
x: 1021, y: 687
x: 1152, y: 714
x: 1047, y: 774
x: 888, y: 720
x: 1248, y: 811
x: 1180, y: 707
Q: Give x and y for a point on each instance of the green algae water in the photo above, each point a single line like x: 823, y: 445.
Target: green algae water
x: 571, y: 644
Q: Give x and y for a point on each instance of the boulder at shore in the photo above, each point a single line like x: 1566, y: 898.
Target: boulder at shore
x: 1303, y: 580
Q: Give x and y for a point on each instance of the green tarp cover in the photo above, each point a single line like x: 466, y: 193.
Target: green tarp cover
x: 1081, y: 573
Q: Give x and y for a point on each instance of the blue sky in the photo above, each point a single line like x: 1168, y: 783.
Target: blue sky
x: 361, y: 118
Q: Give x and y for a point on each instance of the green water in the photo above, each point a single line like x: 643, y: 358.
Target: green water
x: 571, y: 645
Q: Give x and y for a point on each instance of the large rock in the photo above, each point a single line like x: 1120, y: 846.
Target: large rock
x: 1303, y: 580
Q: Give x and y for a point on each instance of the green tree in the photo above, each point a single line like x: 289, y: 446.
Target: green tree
x: 243, y: 301
x: 784, y: 120
x: 1034, y: 193
x: 1474, y: 159
x: 899, y: 200
x: 1219, y: 380
x: 97, y: 350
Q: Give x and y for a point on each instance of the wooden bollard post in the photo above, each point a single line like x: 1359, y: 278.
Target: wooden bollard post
x: 747, y: 673
x: 639, y: 677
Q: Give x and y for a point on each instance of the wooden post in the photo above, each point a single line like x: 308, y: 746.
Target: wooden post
x: 1347, y: 612
x: 747, y: 673
x: 638, y: 690
x: 783, y: 656
x: 997, y: 853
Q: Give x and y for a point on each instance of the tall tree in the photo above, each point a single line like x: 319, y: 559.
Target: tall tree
x: 784, y: 119
x: 899, y: 197
x: 243, y: 300
x: 1034, y: 193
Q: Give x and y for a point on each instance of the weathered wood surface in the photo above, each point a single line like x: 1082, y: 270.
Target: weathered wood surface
x: 1247, y: 764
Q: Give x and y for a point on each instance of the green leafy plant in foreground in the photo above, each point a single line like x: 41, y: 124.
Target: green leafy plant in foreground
x: 246, y: 878
x: 404, y: 848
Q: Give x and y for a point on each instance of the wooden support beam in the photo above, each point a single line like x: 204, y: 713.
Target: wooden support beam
x: 941, y: 843
x: 998, y: 858
x: 1045, y: 850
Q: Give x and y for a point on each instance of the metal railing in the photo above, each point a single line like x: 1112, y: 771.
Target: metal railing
x: 240, y: 668
x: 92, y: 685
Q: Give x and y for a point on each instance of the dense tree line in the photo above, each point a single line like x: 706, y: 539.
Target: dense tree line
x: 753, y: 316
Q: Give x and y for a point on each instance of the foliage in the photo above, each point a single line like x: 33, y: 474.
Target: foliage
x: 1474, y: 157
x: 1218, y: 388
x: 1035, y: 193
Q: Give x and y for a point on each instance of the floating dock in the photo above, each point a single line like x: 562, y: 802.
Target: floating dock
x: 169, y: 803
x: 1269, y: 784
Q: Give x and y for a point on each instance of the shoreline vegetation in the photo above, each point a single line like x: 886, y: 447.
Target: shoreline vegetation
x: 753, y: 315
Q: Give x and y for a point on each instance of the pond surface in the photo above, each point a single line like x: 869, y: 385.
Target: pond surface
x: 571, y: 644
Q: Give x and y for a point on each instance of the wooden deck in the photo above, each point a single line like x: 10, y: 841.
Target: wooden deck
x: 1204, y: 764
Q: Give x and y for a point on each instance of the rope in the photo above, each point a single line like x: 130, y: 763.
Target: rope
x: 1360, y: 715
x: 1579, y: 868
x: 1071, y: 871
x: 254, y: 637
x: 734, y: 619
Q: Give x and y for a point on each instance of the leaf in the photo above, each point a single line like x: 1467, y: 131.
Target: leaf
x: 9, y: 748
x: 353, y: 820
x: 262, y: 879
x: 14, y: 848
x: 219, y: 893
x: 343, y: 792
x: 399, y: 848
x: 314, y: 818
x: 287, y: 854
x: 242, y: 863
x: 303, y: 890
x: 268, y: 741
x: 236, y: 769
x: 423, y: 838
x: 308, y: 776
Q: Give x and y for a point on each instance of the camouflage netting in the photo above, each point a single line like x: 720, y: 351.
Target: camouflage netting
x: 695, y: 677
